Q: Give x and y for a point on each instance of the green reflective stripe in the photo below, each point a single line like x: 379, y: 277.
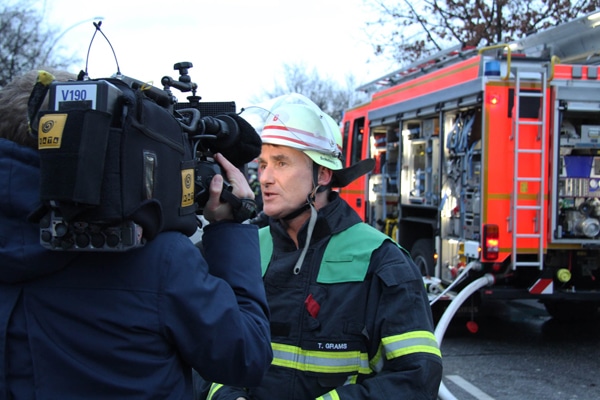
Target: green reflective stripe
x: 320, y: 361
x: 348, y: 254
x: 329, y: 396
x: 213, y: 389
x: 410, y: 343
x: 266, y: 247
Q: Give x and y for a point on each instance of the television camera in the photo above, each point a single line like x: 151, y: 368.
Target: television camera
x: 122, y: 160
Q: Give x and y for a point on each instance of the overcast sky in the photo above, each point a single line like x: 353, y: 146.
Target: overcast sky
x: 237, y: 47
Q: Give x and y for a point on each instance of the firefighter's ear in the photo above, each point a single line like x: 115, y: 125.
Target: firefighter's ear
x: 325, y: 176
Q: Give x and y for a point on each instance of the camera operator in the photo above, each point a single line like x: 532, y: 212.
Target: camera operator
x: 131, y: 324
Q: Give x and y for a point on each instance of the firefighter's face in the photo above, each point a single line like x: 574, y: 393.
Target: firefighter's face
x: 285, y: 176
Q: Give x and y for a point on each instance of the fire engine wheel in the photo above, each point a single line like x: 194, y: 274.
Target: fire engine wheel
x: 572, y: 310
x: 422, y: 255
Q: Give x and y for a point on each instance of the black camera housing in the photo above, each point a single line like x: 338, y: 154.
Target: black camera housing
x: 122, y: 161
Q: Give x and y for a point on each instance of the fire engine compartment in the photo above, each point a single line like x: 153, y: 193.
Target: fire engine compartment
x: 576, y: 197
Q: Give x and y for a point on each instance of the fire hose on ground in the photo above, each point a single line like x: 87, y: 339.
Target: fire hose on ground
x: 461, y: 297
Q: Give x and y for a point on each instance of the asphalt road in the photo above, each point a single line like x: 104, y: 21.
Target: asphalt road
x: 520, y: 353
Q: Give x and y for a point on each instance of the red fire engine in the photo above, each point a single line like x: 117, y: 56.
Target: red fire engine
x: 490, y: 158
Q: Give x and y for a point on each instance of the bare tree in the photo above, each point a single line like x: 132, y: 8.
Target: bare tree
x: 409, y: 30
x: 26, y: 42
x: 331, y: 96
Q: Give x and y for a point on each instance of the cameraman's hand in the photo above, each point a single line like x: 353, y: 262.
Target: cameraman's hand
x: 215, y: 210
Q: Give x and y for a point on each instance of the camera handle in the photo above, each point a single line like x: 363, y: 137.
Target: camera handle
x: 243, y: 209
x: 184, y: 84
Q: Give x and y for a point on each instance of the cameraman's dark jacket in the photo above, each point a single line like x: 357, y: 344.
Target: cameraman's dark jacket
x: 344, y: 335
x: 128, y: 325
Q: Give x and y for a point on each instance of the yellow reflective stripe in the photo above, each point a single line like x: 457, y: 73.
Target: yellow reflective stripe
x: 410, y: 343
x: 329, y: 396
x: 213, y: 389
x: 376, y: 362
x: 320, y: 361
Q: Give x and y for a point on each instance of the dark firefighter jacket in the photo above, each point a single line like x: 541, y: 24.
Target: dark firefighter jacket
x: 355, y: 323
x: 123, y: 326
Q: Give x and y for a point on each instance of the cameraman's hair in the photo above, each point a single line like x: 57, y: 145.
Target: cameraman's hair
x: 13, y: 105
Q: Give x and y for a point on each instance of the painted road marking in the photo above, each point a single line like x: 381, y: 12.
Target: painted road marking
x: 469, y: 388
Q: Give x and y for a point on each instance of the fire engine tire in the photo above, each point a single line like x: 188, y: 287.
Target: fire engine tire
x: 422, y: 255
x: 572, y: 310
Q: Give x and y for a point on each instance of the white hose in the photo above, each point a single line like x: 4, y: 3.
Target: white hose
x: 472, y: 265
x: 444, y: 393
x: 442, y: 325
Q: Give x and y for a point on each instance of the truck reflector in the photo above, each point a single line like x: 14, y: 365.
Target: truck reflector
x: 542, y: 286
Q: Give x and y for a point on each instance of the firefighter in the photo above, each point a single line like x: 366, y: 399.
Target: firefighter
x: 350, y: 318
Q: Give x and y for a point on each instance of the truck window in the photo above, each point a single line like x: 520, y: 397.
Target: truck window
x: 357, y: 140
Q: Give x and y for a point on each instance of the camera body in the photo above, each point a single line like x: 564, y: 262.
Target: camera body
x: 121, y: 161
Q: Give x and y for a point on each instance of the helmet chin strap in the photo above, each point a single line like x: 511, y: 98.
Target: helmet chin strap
x: 299, y: 211
x: 310, y: 199
x: 310, y: 204
x: 311, y: 226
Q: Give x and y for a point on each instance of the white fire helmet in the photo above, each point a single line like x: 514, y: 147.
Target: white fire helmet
x: 299, y: 127
x: 295, y: 121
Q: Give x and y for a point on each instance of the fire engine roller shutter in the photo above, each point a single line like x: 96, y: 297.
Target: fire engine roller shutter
x: 465, y: 94
x: 574, y: 93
